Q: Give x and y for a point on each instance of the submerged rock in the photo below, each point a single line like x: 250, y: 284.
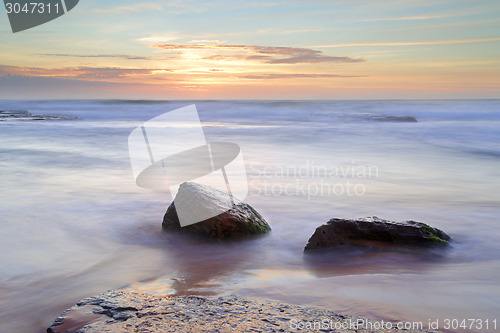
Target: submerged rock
x: 14, y: 114
x: 384, y: 117
x: 130, y: 312
x: 54, y: 116
x: 21, y: 115
x: 237, y: 220
x: 405, y: 119
x: 375, y: 232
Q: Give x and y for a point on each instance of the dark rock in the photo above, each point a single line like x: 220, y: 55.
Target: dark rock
x: 21, y: 115
x: 405, y: 119
x: 14, y: 114
x: 375, y: 232
x: 54, y: 117
x: 384, y: 117
x: 238, y: 221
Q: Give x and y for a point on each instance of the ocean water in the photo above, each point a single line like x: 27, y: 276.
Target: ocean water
x: 73, y: 223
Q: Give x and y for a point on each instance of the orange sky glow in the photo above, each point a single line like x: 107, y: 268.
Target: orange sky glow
x: 360, y: 50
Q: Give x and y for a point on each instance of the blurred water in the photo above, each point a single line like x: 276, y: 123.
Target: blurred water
x: 73, y: 223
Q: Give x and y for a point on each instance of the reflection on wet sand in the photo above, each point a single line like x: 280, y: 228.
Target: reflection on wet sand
x: 360, y: 261
x: 199, y: 267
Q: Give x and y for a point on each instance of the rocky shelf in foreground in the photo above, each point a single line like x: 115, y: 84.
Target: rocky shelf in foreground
x: 127, y: 312
x: 21, y: 115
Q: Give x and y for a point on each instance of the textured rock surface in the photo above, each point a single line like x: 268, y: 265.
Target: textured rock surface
x: 375, y: 232
x: 19, y: 115
x: 124, y: 312
x: 240, y: 219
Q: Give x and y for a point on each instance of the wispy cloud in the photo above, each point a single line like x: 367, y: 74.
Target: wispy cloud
x: 292, y: 76
x: 409, y: 18
x: 207, y: 41
x: 264, y: 54
x: 161, y: 38
x: 439, y: 42
x: 215, y: 38
x: 432, y: 16
x: 251, y: 4
x: 111, y: 72
x: 96, y: 73
x: 287, y: 31
x: 122, y: 56
x: 172, y: 6
x: 139, y: 7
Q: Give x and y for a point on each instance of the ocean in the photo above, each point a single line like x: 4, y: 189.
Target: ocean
x: 73, y: 222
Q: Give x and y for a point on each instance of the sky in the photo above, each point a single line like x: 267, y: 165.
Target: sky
x: 316, y: 49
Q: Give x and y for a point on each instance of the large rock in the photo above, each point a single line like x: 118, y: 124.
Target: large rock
x: 238, y: 219
x: 375, y: 232
x: 130, y: 312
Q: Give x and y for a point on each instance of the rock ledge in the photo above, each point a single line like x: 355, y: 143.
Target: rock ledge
x: 21, y: 115
x: 127, y: 312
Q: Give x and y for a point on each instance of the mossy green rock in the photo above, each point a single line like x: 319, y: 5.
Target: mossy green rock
x: 377, y: 233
